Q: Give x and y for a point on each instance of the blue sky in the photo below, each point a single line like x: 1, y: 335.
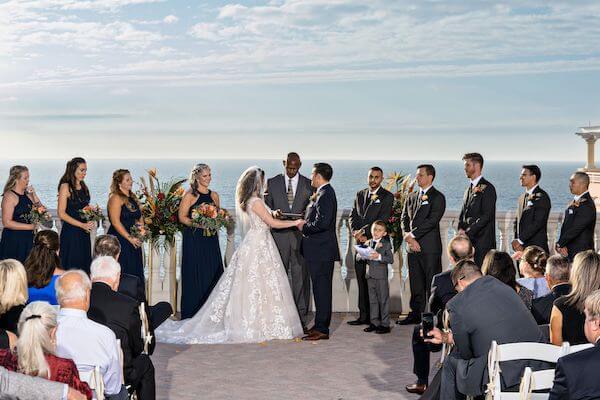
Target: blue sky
x: 353, y: 79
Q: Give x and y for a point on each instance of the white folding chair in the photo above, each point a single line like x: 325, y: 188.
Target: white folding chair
x: 518, y: 351
x: 94, y: 380
x: 146, y: 336
x: 578, y: 347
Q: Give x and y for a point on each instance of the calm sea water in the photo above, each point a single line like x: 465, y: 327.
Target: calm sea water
x: 349, y: 177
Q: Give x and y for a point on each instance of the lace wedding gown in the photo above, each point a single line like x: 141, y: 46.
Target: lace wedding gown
x: 252, y: 302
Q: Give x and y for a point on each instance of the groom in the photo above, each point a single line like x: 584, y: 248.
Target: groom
x: 319, y: 247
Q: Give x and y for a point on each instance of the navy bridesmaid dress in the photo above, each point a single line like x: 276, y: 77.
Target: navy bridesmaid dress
x: 131, y: 258
x: 75, y: 243
x: 17, y: 244
x: 201, y: 264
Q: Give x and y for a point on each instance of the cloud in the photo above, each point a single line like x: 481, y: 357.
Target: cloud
x: 170, y: 19
x: 10, y: 99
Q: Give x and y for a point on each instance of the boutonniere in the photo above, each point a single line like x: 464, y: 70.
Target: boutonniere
x: 374, y: 197
x: 314, y: 196
x: 479, y: 189
x: 576, y: 203
x: 424, y: 197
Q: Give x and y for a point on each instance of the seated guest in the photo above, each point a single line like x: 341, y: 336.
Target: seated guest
x: 131, y: 285
x: 557, y: 276
x: 120, y: 313
x: 442, y: 290
x: 43, y: 267
x: 22, y: 387
x: 36, y: 347
x: 533, y: 267
x: 87, y: 343
x: 567, y: 317
x: 8, y: 340
x: 13, y: 293
x: 484, y: 310
x: 501, y: 266
x: 576, y: 375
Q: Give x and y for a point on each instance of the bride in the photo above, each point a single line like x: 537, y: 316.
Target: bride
x: 252, y: 301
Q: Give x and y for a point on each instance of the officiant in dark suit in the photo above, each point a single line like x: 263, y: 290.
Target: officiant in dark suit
x: 289, y: 193
x: 533, y: 209
x: 421, y: 217
x: 577, y: 230
x: 371, y: 204
x: 478, y: 215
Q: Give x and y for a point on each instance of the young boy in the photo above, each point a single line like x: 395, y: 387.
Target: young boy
x: 377, y: 281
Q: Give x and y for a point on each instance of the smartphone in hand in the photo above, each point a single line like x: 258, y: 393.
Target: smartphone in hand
x: 427, y: 323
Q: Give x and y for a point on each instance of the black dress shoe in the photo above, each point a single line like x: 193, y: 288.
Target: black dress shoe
x: 370, y: 328
x: 416, y: 388
x: 410, y: 320
x: 358, y: 322
x: 383, y: 329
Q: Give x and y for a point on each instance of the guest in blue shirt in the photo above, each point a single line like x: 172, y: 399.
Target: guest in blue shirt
x: 533, y: 268
x: 43, y: 267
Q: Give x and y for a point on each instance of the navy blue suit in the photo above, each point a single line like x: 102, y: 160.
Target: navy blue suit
x: 320, y: 250
x: 576, y: 376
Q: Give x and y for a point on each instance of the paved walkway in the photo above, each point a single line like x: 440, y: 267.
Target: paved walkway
x: 350, y: 365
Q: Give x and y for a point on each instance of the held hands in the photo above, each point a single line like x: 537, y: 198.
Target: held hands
x: 135, y: 242
x: 374, y: 256
x: 438, y: 337
x: 88, y: 226
x: 299, y: 223
x: 516, y: 246
x: 517, y: 255
x: 561, y: 250
x: 412, y: 243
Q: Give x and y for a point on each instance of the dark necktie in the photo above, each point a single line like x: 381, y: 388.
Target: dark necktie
x: 290, y: 193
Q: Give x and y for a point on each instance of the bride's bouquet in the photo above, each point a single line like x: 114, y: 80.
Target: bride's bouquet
x: 92, y: 213
x: 211, y: 218
x: 38, y: 215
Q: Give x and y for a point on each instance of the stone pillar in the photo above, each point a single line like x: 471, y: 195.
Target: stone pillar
x: 591, y: 142
x: 590, y: 134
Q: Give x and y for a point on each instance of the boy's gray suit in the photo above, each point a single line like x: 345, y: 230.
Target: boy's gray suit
x: 379, y: 289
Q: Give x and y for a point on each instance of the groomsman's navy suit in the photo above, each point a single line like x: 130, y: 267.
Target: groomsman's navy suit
x: 577, y: 231
x: 531, y: 223
x: 320, y: 251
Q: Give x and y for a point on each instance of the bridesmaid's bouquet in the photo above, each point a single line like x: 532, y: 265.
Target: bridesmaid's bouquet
x: 139, y: 232
x: 38, y: 215
x: 401, y: 186
x: 92, y: 213
x: 211, y: 218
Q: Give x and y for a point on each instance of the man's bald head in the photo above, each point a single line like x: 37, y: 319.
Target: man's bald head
x: 292, y: 164
x: 460, y: 248
x: 73, y: 290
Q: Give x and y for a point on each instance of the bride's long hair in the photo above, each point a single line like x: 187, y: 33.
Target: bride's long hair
x: 250, y: 184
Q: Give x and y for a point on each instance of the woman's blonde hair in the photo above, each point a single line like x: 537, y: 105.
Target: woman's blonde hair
x: 585, y: 278
x: 35, y: 341
x: 117, y: 178
x: 13, y: 176
x: 193, y: 179
x: 13, y: 284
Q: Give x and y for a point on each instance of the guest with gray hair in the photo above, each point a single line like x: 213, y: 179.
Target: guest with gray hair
x: 15, y: 386
x: 558, y: 269
x: 121, y: 314
x: 36, y: 347
x: 86, y: 342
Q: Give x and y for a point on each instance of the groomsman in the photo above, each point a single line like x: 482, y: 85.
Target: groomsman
x: 421, y: 217
x: 290, y: 193
x: 370, y: 204
x: 577, y: 231
x: 533, y: 209
x: 478, y: 215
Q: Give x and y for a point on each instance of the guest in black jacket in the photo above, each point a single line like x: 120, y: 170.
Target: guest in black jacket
x: 442, y: 290
x: 576, y: 375
x: 577, y: 231
x: 557, y: 276
x: 120, y: 313
x: 533, y: 209
x: 371, y: 204
x: 478, y: 214
x: 421, y: 217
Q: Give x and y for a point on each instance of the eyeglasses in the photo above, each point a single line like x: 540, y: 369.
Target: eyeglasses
x: 460, y: 278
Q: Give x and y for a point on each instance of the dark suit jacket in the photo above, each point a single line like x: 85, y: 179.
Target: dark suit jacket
x: 442, y: 290
x: 319, y: 238
x: 542, y: 306
x: 365, y: 212
x: 379, y: 269
x: 576, y: 376
x: 422, y: 219
x: 119, y: 313
x: 577, y: 231
x: 531, y: 223
x: 276, y: 197
x: 488, y: 310
x: 132, y: 286
x: 478, y: 215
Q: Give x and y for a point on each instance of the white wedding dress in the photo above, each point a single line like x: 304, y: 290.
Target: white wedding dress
x: 252, y: 302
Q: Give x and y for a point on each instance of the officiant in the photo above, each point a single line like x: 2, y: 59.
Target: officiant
x: 288, y: 195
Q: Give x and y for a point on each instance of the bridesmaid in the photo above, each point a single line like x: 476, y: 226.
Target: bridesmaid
x: 201, y: 262
x: 124, y: 212
x: 73, y: 196
x: 18, y: 197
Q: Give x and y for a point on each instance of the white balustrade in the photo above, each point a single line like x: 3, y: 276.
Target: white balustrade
x: 163, y: 266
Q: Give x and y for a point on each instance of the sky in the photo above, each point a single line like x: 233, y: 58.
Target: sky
x: 338, y: 79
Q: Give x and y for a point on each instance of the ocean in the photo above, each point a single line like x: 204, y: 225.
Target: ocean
x: 349, y: 176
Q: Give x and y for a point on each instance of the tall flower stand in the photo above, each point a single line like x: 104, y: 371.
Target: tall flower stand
x: 161, y: 284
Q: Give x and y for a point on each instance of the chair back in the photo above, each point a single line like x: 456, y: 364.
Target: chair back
x: 146, y: 336
x: 94, y: 380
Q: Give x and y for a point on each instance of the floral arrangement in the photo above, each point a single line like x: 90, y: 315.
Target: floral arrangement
x: 38, y: 215
x: 401, y: 186
x: 211, y: 218
x: 92, y: 213
x: 139, y: 232
x: 159, y: 205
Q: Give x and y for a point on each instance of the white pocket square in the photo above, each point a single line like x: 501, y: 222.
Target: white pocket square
x: 377, y: 201
x: 529, y: 203
x: 570, y: 211
x: 424, y: 203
